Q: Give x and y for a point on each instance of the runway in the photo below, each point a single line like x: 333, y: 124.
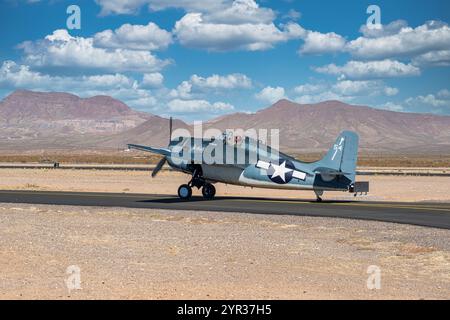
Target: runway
x: 435, y: 215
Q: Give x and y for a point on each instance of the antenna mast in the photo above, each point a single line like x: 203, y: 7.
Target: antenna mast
x: 170, y: 129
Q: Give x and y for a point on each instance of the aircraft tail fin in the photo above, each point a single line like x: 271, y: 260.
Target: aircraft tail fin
x: 342, y: 157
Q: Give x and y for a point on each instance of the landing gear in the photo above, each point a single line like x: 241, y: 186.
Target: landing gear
x: 208, y: 191
x: 197, y: 178
x: 185, y: 192
x: 319, y: 194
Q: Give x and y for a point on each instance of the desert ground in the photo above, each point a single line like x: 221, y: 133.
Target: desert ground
x: 156, y: 254
x: 160, y: 254
x: 383, y: 188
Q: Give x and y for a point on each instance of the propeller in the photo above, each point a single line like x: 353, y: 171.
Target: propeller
x: 158, y: 167
x: 163, y: 161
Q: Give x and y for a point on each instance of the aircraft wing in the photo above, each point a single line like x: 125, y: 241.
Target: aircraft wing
x: 161, y: 151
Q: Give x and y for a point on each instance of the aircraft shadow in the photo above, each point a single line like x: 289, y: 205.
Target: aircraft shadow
x: 218, y: 199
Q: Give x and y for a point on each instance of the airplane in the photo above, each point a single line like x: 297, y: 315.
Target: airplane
x: 262, y: 166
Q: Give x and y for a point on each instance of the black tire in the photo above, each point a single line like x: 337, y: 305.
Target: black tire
x: 185, y: 192
x: 208, y: 191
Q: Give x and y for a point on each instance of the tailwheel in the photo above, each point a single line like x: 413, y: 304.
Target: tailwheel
x: 319, y: 194
x: 208, y: 191
x: 185, y: 192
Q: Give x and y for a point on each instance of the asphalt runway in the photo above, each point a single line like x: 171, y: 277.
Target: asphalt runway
x: 435, y: 215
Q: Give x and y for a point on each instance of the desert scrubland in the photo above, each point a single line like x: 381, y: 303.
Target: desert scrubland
x: 119, y: 156
x: 156, y: 254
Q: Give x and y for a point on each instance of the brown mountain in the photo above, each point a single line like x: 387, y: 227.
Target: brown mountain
x: 28, y: 105
x: 153, y: 132
x: 33, y: 120
x: 313, y: 127
x: 38, y: 119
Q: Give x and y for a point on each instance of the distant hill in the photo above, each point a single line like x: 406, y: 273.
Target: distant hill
x: 33, y: 120
x: 29, y: 106
x: 312, y: 127
x: 153, y: 132
x: 44, y: 120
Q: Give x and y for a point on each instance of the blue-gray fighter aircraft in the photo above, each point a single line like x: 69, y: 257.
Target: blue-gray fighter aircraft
x: 259, y: 165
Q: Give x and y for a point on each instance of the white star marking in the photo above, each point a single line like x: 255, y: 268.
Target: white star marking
x: 266, y: 165
x: 280, y: 171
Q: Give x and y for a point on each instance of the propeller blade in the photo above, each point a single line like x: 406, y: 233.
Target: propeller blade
x: 158, y: 167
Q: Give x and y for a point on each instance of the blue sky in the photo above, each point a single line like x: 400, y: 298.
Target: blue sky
x: 200, y: 59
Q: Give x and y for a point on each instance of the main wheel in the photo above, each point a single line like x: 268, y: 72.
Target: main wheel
x: 208, y: 191
x: 184, y: 192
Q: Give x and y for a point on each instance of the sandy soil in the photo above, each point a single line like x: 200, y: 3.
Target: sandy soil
x: 383, y: 188
x: 156, y: 254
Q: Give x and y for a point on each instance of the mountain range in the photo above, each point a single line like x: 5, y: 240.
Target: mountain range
x: 41, y: 121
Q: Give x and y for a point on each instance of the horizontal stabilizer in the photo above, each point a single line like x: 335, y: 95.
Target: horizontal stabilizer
x: 161, y: 151
x: 332, y: 172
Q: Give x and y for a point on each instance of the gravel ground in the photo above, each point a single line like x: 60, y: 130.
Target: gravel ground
x: 382, y: 188
x: 156, y: 254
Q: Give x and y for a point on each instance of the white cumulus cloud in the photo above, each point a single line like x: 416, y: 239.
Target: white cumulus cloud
x: 132, y: 6
x: 231, y: 81
x: 429, y: 100
x: 216, y: 83
x: 195, y: 32
x: 431, y: 36
x: 346, y: 91
x: 197, y: 106
x: 434, y: 58
x: 134, y: 37
x: 370, y: 69
x: 359, y: 88
x: 271, y: 94
x: 318, y: 43
x: 242, y: 11
x: 386, y: 30
x: 324, y: 96
x: 60, y: 49
x: 15, y: 76
x: 444, y: 94
x: 391, y: 106
x: 309, y: 88
x: 152, y: 80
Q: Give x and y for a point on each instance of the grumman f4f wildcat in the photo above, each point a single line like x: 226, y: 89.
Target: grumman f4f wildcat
x: 252, y: 163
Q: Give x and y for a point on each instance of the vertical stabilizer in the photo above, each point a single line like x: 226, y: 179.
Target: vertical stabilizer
x: 343, y: 155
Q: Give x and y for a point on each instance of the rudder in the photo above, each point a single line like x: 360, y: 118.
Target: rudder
x: 343, y: 155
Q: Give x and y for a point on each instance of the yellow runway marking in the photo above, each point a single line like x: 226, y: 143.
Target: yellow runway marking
x: 395, y: 206
x: 352, y: 204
